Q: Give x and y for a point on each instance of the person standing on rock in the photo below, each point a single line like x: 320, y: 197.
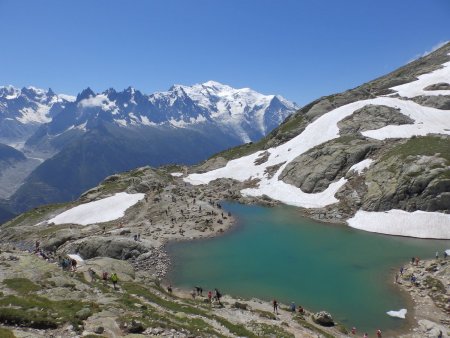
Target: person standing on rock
x: 379, y: 333
x: 114, y: 280
x: 275, y: 306
x: 210, y: 297
x: 105, y: 277
x: 218, y: 296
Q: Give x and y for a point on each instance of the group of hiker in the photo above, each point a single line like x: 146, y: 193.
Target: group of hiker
x: 197, y: 291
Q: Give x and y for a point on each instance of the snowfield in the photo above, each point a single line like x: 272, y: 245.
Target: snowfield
x: 419, y: 224
x: 426, y: 120
x: 104, y: 210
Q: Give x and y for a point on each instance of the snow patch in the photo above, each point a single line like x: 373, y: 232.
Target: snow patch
x: 176, y: 174
x: 104, y: 210
x: 360, y: 166
x: 398, y: 314
x: 416, y: 88
x: 419, y: 224
x: 76, y: 257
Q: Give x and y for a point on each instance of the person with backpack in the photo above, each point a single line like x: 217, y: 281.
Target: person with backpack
x: 218, y: 295
x: 105, y: 277
x: 114, y: 279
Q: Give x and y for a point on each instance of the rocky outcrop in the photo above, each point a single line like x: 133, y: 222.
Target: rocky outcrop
x: 113, y: 247
x: 438, y: 86
x: 372, y: 117
x: 435, y: 101
x: 408, y: 183
x: 323, y: 318
x: 313, y: 171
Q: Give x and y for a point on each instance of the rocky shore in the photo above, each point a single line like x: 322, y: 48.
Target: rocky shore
x: 427, y: 283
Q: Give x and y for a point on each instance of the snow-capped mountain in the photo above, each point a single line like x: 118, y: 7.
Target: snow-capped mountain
x: 244, y: 113
x: 23, y: 110
x: 85, y: 138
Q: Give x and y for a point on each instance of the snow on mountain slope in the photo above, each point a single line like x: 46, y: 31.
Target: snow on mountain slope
x: 242, y: 112
x: 30, y: 104
x: 426, y: 120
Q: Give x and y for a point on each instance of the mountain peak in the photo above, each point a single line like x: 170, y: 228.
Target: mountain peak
x: 86, y: 93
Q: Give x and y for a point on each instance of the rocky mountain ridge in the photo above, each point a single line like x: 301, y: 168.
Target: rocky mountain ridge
x: 88, y: 137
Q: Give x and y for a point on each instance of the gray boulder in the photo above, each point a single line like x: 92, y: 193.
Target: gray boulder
x: 323, y: 318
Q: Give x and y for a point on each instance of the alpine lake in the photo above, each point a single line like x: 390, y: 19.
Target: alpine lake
x: 274, y: 253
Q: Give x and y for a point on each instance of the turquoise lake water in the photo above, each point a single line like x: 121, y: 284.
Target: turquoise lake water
x: 276, y: 253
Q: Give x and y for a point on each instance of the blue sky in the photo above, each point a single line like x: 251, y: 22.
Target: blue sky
x: 299, y: 49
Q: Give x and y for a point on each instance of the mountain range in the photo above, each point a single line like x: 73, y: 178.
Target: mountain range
x: 71, y: 143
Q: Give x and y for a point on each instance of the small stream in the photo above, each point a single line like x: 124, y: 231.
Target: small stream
x: 276, y: 253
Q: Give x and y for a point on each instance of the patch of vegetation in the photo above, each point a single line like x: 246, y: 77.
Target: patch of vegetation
x: 424, y: 145
x: 40, y: 312
x: 174, y: 306
x: 34, y: 215
x: 312, y: 327
x: 265, y: 314
x: 5, y: 333
x: 21, y: 285
x: 266, y: 330
x: 435, y: 283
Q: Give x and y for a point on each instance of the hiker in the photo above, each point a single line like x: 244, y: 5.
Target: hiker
x: 37, y: 244
x: 114, y: 279
x: 445, y: 254
x: 401, y: 271
x: 353, y: 330
x: 366, y: 335
x: 292, y: 307
x: 301, y: 309
x: 135, y: 238
x: 210, y: 296
x: 417, y: 261
x: 169, y: 289
x: 379, y: 333
x: 193, y: 293
x: 412, y: 260
x: 92, y: 274
x: 440, y: 334
x: 65, y: 264
x: 139, y: 236
x: 74, y: 265
x: 105, y: 277
x: 275, y: 306
x: 217, y: 296
x: 199, y: 291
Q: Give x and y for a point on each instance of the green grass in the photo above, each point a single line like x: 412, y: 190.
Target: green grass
x: 312, y: 327
x: 40, y: 312
x: 35, y: 215
x: 5, y: 333
x: 425, y: 145
x: 174, y: 306
x: 21, y: 285
x: 267, y: 330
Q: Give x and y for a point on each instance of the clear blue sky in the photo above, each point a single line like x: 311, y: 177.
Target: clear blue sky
x: 299, y: 49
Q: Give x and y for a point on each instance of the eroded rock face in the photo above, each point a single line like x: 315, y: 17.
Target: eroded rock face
x: 372, y: 117
x: 411, y: 183
x: 113, y: 247
x: 313, y: 171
